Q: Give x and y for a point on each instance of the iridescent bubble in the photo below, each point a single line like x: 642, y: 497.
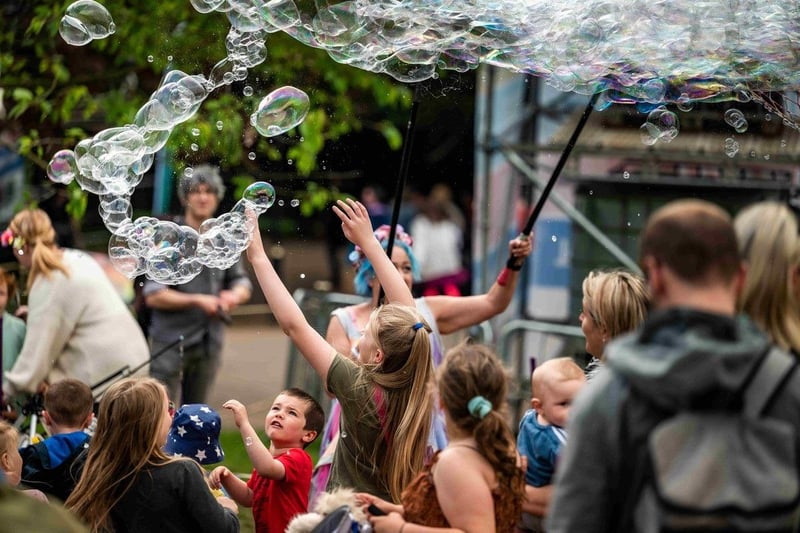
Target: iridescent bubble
x: 661, y: 125
x: 731, y: 147
x: 84, y: 21
x: 295, y: 202
x: 194, y: 147
x: 251, y: 156
x: 280, y: 111
x: 736, y: 120
x: 261, y: 194
x: 188, y: 172
x: 62, y: 167
x: 247, y: 91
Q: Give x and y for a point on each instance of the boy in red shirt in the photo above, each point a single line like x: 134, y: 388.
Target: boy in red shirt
x: 278, y: 488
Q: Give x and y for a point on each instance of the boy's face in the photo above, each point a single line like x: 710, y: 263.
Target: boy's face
x: 556, y: 399
x: 285, y: 423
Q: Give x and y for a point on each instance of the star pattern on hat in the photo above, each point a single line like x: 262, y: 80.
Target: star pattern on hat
x: 217, y: 451
x: 205, y: 409
x: 196, y: 420
x: 201, y: 455
x: 181, y: 431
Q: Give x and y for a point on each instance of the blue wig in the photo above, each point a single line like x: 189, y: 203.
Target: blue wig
x: 365, y: 273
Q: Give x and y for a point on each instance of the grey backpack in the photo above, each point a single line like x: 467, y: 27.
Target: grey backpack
x: 720, y: 469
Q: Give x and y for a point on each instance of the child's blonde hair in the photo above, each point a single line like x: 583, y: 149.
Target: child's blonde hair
x: 127, y: 440
x: 36, y: 230
x: 554, y: 371
x: 405, y: 375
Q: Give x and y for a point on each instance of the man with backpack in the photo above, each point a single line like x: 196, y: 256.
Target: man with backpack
x: 694, y: 423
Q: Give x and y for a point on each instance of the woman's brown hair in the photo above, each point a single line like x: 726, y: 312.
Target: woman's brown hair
x: 472, y: 370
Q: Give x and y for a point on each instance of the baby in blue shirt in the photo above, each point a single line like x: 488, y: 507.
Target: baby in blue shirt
x: 554, y: 384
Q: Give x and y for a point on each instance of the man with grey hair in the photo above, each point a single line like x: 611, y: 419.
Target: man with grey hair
x: 195, y: 309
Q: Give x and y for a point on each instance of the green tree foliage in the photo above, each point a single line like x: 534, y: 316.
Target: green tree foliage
x: 52, y: 94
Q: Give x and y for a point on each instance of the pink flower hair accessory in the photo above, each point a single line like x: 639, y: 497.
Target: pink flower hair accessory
x: 382, y: 234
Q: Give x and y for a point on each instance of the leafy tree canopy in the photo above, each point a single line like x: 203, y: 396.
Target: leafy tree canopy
x: 53, y: 95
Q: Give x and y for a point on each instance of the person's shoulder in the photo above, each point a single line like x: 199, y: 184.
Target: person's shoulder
x: 13, y: 321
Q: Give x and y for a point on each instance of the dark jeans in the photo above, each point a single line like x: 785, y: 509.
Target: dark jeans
x: 192, y: 375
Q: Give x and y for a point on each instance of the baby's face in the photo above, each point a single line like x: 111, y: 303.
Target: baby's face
x: 12, y: 466
x: 557, y: 400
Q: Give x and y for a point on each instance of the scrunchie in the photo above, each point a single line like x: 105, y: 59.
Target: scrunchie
x: 479, y: 407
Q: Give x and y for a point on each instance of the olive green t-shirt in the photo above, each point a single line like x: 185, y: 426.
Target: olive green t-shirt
x: 359, y: 428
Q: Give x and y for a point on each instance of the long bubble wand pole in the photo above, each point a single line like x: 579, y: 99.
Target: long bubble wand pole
x: 516, y: 263
x: 405, y: 160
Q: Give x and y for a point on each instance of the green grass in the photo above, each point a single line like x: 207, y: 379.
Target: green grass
x: 237, y: 461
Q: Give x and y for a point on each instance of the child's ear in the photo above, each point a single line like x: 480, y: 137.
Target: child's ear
x: 5, y: 463
x: 88, y: 421
x: 536, y: 403
x: 309, y: 436
x: 46, y: 418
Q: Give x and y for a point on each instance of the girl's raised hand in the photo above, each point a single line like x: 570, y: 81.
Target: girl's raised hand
x: 355, y: 221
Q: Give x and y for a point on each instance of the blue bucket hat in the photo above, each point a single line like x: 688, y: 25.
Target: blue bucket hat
x: 194, y: 433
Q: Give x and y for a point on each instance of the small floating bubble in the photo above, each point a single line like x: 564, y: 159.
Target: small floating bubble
x: 251, y: 156
x: 247, y: 91
x: 295, y: 202
x: 626, y: 175
x: 736, y: 120
x: 220, y: 125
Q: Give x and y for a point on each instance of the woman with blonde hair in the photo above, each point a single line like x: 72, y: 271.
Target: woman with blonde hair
x: 475, y: 484
x: 614, y: 302
x: 769, y: 243
x: 78, y: 325
x: 130, y: 484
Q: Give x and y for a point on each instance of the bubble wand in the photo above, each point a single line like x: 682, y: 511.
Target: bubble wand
x: 515, y: 263
x: 403, y: 176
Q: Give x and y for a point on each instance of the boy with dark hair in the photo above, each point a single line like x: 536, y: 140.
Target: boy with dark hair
x: 54, y: 465
x: 279, y: 485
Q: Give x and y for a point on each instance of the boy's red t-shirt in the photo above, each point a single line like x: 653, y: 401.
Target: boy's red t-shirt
x: 275, y: 503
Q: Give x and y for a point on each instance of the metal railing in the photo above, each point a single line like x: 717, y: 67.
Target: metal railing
x: 317, y: 307
x: 521, y: 364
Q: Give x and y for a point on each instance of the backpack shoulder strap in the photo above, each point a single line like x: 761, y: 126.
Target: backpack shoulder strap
x: 773, y: 372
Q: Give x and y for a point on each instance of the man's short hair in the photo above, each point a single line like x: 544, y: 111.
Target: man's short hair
x: 201, y: 174
x: 695, y: 239
x: 68, y: 402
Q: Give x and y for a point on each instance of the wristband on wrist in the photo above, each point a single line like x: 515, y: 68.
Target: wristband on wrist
x: 513, y: 264
x: 502, y: 278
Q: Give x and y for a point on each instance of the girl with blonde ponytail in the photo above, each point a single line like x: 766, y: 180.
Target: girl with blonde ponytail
x: 385, y: 397
x: 475, y: 484
x: 78, y: 325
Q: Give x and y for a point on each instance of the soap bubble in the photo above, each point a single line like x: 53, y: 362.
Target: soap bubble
x: 62, y: 167
x: 736, y: 120
x: 261, y: 194
x: 84, y: 21
x: 280, y: 111
x: 661, y: 125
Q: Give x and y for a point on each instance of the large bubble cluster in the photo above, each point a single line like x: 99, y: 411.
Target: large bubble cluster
x: 644, y: 52
x: 652, y: 51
